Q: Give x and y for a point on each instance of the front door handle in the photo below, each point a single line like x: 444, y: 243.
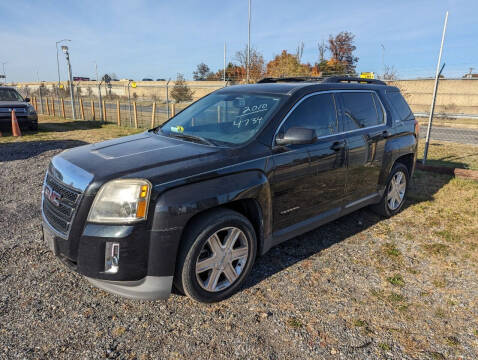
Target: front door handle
x: 338, y: 145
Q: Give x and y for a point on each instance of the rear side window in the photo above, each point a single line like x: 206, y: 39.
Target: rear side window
x: 400, y: 107
x: 360, y: 110
x: 316, y: 112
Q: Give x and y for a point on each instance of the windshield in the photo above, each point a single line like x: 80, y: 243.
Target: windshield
x: 9, y: 95
x: 223, y: 118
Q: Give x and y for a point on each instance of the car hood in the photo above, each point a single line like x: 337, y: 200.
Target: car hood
x: 147, y: 155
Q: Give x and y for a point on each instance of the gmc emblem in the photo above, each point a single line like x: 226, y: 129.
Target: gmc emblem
x: 52, y: 195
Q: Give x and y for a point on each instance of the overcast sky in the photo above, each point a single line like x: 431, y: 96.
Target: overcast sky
x: 137, y: 39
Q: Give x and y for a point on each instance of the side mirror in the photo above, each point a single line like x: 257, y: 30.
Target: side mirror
x: 27, y: 99
x: 297, y: 136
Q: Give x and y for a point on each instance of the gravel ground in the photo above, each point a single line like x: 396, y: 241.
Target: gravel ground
x: 360, y: 287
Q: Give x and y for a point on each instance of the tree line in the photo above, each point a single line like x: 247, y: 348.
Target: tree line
x: 336, y: 56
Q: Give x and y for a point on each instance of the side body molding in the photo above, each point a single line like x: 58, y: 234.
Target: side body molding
x: 177, y: 206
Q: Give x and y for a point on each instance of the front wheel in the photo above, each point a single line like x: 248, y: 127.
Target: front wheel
x: 395, y: 193
x: 216, y: 256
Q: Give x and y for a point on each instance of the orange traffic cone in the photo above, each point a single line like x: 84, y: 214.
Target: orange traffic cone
x: 15, y: 128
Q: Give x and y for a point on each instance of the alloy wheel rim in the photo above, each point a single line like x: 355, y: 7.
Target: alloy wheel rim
x: 222, y: 259
x: 396, y: 190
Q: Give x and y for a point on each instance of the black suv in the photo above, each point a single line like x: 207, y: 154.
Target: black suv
x: 10, y: 100
x: 191, y: 203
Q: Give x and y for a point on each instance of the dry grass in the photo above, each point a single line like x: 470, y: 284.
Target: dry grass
x: 50, y: 128
x: 450, y: 154
x: 448, y: 122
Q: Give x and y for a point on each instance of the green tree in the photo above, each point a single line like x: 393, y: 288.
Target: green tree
x: 202, y: 72
x: 181, y: 91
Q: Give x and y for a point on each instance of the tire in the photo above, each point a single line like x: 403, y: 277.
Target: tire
x: 209, y: 268
x: 34, y: 126
x: 392, y: 203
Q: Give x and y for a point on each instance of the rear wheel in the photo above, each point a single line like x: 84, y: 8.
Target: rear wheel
x: 395, y: 193
x: 217, y: 255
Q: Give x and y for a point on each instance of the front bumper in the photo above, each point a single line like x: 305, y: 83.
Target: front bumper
x: 22, y: 119
x: 140, y: 274
x: 148, y: 288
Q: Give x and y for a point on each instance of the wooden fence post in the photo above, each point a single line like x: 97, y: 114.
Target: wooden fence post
x: 47, y: 106
x: 63, y: 108
x: 82, y: 109
x: 135, y: 113
x: 104, y: 110
x: 153, y: 115
x: 118, y: 112
x: 173, y: 109
x: 33, y: 104
x: 93, y: 113
x: 53, y: 107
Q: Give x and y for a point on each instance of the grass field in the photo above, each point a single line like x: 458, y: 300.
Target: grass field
x: 51, y: 128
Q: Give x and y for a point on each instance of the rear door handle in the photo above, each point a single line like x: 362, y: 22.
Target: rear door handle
x: 338, y: 145
x: 377, y: 136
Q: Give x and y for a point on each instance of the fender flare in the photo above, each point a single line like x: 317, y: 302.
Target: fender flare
x: 395, y: 148
x: 176, y: 207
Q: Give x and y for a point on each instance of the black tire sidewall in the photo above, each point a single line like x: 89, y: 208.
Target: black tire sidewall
x: 189, y: 281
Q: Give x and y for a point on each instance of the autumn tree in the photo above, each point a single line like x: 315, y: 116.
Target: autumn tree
x: 341, y: 48
x: 181, y: 91
x: 256, y: 69
x: 233, y: 73
x: 286, y: 64
x: 202, y: 72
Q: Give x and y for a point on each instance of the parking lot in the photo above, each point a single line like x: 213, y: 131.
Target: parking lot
x: 360, y: 287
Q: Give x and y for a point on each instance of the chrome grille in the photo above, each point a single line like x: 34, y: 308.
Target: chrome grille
x: 60, y: 215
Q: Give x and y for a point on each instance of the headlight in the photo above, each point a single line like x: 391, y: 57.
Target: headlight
x: 30, y: 109
x: 121, y: 201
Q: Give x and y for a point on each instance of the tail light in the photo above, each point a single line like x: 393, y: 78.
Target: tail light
x: 417, y: 128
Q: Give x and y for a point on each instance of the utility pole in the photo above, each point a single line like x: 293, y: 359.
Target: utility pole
x: 224, y: 72
x: 249, y: 45
x: 383, y: 58
x: 64, y: 48
x: 58, y: 64
x: 99, y: 93
x: 437, y: 76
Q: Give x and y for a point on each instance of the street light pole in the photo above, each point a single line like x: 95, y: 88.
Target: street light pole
x: 58, y: 64
x: 72, y: 95
x: 249, y: 45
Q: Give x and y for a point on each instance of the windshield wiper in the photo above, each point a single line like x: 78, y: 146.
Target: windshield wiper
x: 195, y: 138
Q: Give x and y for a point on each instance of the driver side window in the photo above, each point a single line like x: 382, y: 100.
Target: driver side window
x: 316, y: 112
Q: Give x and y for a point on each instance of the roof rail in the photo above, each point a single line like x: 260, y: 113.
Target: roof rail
x: 349, y: 79
x: 289, y: 79
x: 329, y: 79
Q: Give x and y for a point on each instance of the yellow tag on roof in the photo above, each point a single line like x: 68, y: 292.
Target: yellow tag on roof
x: 367, y: 75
